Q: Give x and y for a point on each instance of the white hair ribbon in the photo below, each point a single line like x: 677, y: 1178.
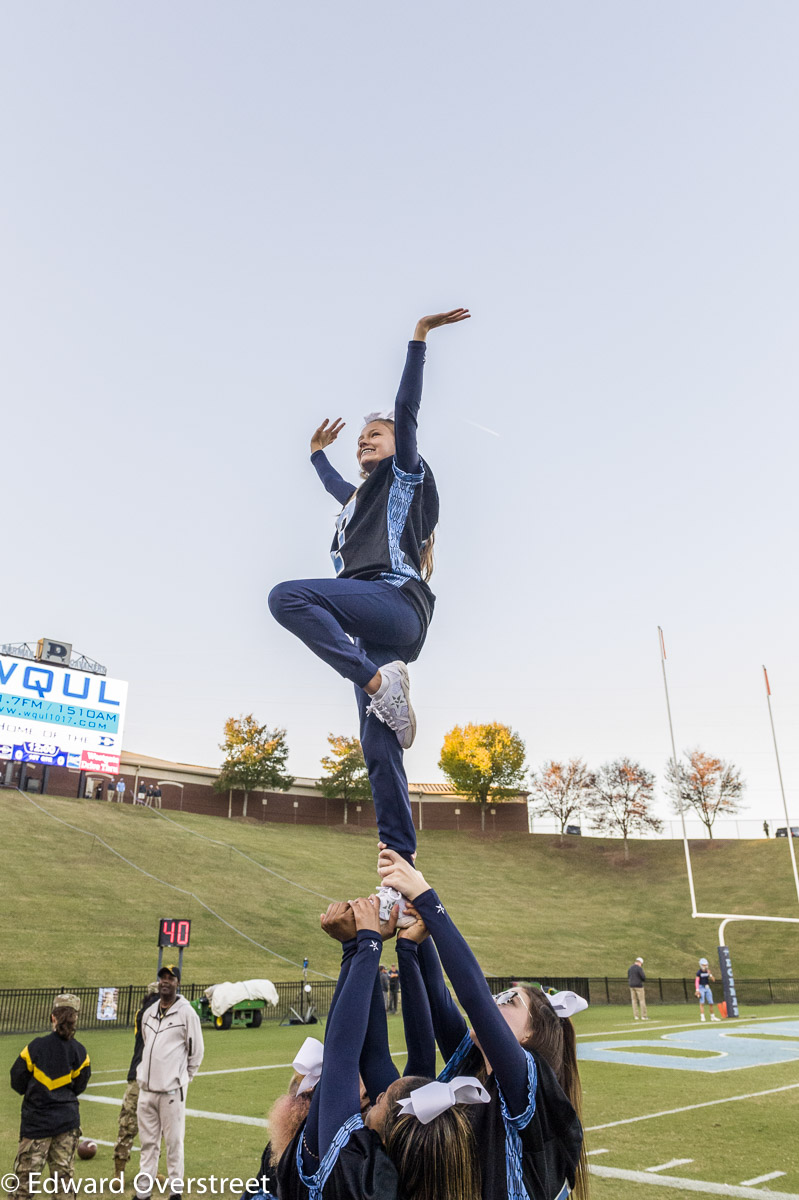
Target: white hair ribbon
x: 309, y: 1064
x: 386, y: 415
x: 428, y: 1102
x: 566, y: 1004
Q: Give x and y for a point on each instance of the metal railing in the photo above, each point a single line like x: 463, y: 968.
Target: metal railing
x: 27, y: 1010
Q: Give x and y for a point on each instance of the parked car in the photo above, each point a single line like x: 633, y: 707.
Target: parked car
x: 783, y: 832
x: 575, y: 829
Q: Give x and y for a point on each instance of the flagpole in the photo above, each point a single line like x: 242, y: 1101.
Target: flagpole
x: 686, y: 847
x: 782, y: 786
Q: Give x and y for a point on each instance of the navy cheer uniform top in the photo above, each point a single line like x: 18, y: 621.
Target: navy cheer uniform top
x: 382, y: 528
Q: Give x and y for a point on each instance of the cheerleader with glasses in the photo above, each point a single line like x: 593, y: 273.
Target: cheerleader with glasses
x: 521, y: 1046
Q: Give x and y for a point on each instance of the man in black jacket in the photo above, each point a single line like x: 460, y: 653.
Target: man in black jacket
x: 50, y: 1074
x: 636, y: 979
x: 128, y: 1121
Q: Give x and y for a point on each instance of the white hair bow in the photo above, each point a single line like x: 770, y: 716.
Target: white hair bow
x: 430, y: 1101
x: 566, y: 1004
x: 386, y: 415
x: 309, y: 1064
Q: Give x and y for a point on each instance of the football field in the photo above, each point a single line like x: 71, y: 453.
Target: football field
x: 670, y: 1106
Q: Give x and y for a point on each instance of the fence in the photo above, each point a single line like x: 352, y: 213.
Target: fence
x: 27, y: 1010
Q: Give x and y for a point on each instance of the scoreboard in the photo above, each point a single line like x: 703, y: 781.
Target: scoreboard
x: 174, y: 932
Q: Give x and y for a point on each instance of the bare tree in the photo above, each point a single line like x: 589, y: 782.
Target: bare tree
x: 560, y: 790
x: 708, y: 785
x: 621, y: 800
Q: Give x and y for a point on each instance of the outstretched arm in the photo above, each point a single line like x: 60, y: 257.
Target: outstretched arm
x: 409, y: 396
x: 337, y: 1095
x: 416, y: 1015
x: 498, y: 1042
x: 332, y: 482
x: 448, y: 1023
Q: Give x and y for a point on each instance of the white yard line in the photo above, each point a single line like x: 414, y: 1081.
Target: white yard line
x: 673, y: 1162
x: 590, y: 1152
x: 192, y: 1112
x: 226, y: 1071
x: 762, y: 1178
x: 636, y: 1026
x: 669, y: 1112
x: 692, y: 1185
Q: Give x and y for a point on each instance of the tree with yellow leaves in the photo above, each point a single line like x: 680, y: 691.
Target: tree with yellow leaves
x: 345, y: 777
x: 255, y: 758
x: 483, y: 762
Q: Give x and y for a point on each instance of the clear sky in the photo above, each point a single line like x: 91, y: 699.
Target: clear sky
x: 219, y: 225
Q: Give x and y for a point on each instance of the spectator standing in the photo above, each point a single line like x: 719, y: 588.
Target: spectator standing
x: 50, y: 1074
x: 393, y: 988
x: 765, y: 828
x: 150, y: 795
x: 157, y: 796
x: 128, y: 1125
x: 384, y: 985
x: 636, y: 979
x: 120, y: 791
x: 173, y: 1050
x: 98, y: 791
x: 141, y: 794
x: 703, y: 993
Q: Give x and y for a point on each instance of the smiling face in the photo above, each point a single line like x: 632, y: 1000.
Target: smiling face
x: 167, y: 989
x: 376, y: 442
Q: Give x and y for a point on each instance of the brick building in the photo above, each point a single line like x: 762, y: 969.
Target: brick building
x: 189, y: 788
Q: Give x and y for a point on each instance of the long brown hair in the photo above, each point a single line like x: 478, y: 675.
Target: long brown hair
x: 426, y: 559
x: 286, y: 1116
x: 66, y: 1022
x: 435, y: 1160
x: 553, y: 1037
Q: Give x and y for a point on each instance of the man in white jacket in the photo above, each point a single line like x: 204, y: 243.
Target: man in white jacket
x: 173, y: 1050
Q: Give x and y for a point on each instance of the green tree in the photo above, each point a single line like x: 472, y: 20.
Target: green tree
x: 255, y: 758
x: 483, y: 762
x: 345, y: 775
x: 620, y: 800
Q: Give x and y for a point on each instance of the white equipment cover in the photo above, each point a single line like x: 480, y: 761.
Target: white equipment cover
x: 222, y: 996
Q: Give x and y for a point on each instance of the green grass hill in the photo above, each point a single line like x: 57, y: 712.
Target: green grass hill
x: 76, y: 914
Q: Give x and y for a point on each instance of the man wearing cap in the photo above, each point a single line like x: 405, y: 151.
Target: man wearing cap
x: 50, y: 1074
x: 128, y: 1124
x: 636, y: 979
x: 173, y: 1050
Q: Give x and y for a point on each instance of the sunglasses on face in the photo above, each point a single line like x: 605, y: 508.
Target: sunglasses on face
x: 508, y: 996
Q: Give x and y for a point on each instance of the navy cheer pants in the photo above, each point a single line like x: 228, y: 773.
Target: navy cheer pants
x: 357, y: 626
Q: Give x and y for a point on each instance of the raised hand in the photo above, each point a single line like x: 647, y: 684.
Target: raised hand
x: 326, y: 433
x: 339, y: 921
x: 425, y: 324
x: 366, y: 913
x: 395, y: 872
x: 416, y: 932
x: 389, y: 928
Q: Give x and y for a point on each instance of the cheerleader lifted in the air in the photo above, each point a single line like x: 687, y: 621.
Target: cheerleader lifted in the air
x: 380, y: 598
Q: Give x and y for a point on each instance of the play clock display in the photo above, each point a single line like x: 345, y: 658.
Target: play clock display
x: 174, y: 932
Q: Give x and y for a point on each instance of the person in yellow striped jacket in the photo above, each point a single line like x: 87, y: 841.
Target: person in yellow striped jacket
x: 50, y: 1074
